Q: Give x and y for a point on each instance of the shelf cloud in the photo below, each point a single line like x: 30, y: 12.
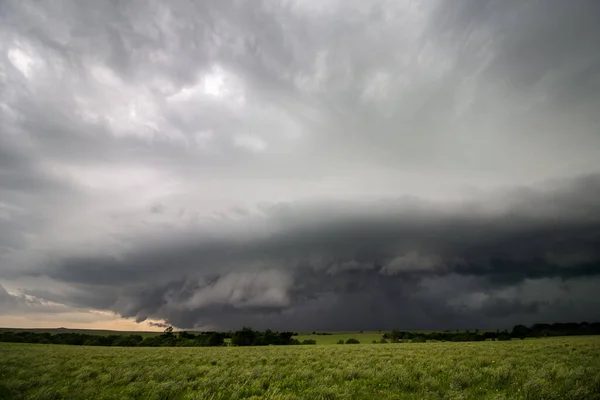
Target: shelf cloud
x: 300, y: 165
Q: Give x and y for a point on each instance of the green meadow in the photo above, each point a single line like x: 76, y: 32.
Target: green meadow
x: 550, y: 368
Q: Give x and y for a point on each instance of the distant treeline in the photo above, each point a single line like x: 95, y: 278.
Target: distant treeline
x: 518, y: 332
x: 544, y: 330
x: 249, y: 337
x: 397, y: 336
x: 243, y: 337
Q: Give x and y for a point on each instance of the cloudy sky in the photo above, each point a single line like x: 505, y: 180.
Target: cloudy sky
x: 299, y: 164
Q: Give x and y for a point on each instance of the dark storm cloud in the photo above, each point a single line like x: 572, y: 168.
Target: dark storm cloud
x: 158, y: 324
x: 340, y: 258
x: 381, y: 161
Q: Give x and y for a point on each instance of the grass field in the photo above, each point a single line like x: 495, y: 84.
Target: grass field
x: 553, y: 368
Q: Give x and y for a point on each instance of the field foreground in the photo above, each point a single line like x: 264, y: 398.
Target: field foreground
x: 554, y: 368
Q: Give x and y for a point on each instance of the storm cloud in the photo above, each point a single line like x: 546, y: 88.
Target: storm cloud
x: 301, y: 165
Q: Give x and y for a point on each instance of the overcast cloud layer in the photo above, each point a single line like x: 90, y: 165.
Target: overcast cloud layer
x: 299, y: 164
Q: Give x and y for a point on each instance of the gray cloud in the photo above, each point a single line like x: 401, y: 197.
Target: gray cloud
x: 19, y: 304
x: 327, y: 255
x: 328, y: 165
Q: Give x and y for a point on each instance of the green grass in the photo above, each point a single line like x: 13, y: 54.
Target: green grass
x: 554, y: 368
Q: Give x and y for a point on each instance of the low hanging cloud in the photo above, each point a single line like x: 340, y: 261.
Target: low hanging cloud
x: 352, y: 256
x: 244, y: 290
x: 413, y: 262
x: 19, y: 304
x: 301, y: 165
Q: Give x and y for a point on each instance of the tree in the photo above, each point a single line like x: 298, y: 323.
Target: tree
x: 395, y: 336
x: 520, y: 331
x: 186, y: 335
x: 216, y: 339
x: 128, y: 340
x: 243, y: 337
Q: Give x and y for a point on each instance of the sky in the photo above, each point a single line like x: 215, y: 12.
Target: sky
x: 299, y: 165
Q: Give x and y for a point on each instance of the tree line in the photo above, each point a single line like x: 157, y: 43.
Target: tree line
x: 249, y: 337
x: 518, y: 332
x: 557, y: 329
x: 243, y: 337
x: 397, y: 336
